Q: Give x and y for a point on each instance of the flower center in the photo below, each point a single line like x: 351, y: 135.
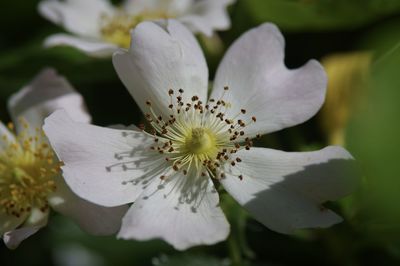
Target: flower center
x: 116, y: 29
x: 27, y: 170
x: 197, y: 138
x: 199, y: 141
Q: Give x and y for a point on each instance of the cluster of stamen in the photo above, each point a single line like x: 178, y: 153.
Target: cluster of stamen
x: 27, y: 170
x: 116, y: 28
x: 198, y: 138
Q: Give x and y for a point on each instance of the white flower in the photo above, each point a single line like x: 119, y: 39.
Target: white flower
x: 30, y: 180
x: 99, y: 29
x: 170, y: 171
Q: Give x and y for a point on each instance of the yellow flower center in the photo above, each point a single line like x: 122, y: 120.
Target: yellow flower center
x: 27, y: 170
x: 116, y: 29
x: 200, y: 141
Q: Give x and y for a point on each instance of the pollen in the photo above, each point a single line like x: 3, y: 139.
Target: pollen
x: 198, y: 139
x: 27, y: 170
x: 116, y: 28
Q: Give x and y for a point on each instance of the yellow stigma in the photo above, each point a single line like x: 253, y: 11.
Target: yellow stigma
x: 27, y: 170
x: 116, y: 29
x: 201, y: 141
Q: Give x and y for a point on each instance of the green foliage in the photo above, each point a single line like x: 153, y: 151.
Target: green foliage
x: 374, y: 140
x: 300, y: 15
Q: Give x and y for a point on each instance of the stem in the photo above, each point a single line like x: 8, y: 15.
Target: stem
x: 234, y: 250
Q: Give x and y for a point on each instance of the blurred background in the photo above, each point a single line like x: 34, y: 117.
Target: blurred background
x: 358, y: 41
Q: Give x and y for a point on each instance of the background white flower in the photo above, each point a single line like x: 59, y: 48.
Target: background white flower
x: 99, y: 28
x: 30, y: 180
x: 170, y: 172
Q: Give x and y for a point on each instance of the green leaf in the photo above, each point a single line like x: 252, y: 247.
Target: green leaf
x: 373, y: 138
x: 298, y: 15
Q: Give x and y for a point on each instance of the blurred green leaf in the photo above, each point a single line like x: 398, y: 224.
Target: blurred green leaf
x: 298, y: 15
x: 65, y: 235
x: 373, y: 138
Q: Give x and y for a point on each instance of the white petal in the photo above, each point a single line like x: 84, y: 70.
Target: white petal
x: 37, y: 220
x: 13, y: 239
x: 164, y: 212
x: 95, y: 48
x: 76, y: 16
x: 161, y: 59
x: 170, y: 7
x: 284, y: 190
x: 124, y: 127
x: 259, y: 82
x: 5, y: 136
x: 101, y: 165
x: 45, y: 94
x: 92, y: 218
x: 207, y: 16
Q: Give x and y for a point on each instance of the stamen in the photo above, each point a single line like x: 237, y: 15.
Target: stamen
x: 27, y: 170
x: 198, y: 139
x: 116, y: 28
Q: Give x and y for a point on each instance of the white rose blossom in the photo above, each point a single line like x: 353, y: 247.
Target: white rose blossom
x: 169, y: 171
x: 30, y: 180
x: 98, y: 28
